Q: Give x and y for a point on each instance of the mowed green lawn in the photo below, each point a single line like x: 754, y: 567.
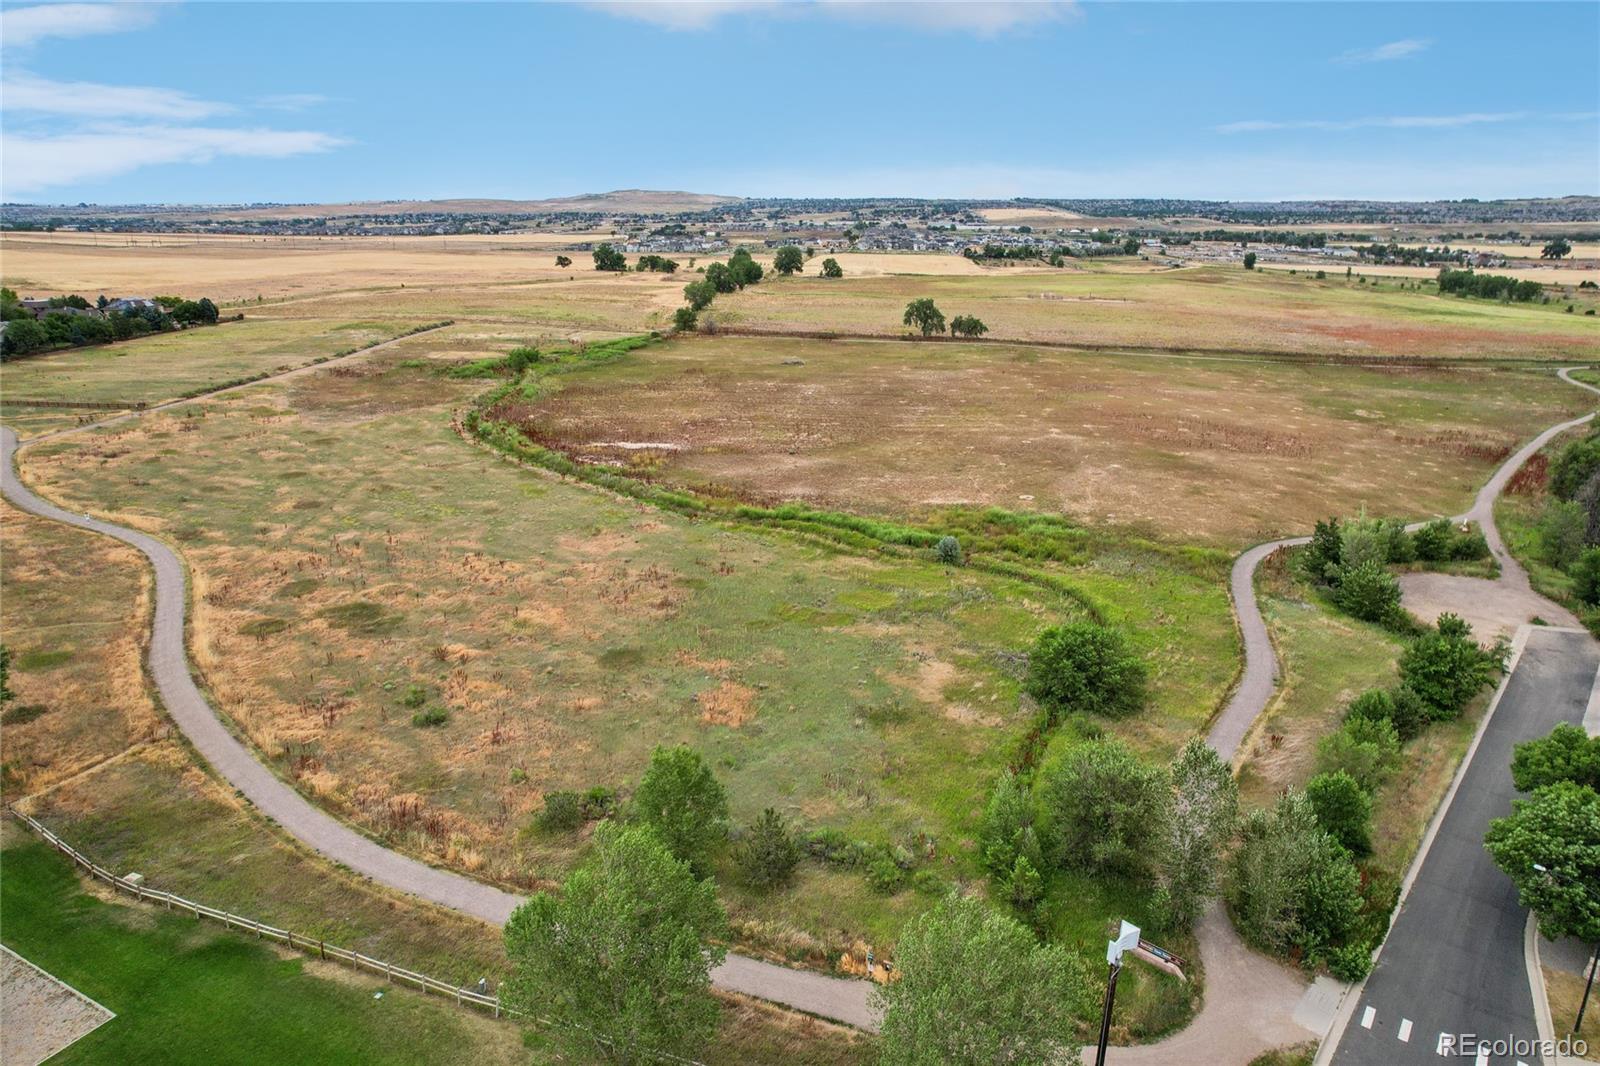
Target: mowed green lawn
x: 186, y: 992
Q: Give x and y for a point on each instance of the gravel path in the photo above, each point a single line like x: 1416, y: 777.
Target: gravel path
x: 1241, y: 1010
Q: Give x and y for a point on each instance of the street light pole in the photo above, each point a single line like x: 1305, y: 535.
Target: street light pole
x: 1105, y: 1014
x: 1594, y: 961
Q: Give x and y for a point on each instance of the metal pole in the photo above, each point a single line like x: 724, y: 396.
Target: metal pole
x: 1594, y: 961
x: 1105, y: 1015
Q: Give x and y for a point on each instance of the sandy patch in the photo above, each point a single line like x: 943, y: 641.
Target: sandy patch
x: 730, y: 704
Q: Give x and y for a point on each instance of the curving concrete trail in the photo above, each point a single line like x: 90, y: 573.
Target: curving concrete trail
x: 1231, y: 1022
x: 829, y: 997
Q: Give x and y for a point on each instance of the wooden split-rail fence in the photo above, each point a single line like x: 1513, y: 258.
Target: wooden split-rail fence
x: 310, y: 945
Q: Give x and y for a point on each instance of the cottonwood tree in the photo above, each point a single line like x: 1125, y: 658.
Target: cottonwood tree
x: 976, y: 988
x: 685, y: 804
x: 1205, y: 808
x: 831, y: 268
x: 967, y: 326
x: 608, y: 258
x: 924, y: 316
x: 1550, y: 848
x: 620, y: 960
x: 1567, y: 754
x: 1290, y: 884
x: 1556, y: 249
x: 789, y: 260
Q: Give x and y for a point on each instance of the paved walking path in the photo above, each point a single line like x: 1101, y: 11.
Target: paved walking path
x: 1242, y: 985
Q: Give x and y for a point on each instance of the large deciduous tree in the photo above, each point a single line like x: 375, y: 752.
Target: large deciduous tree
x: 976, y: 989
x: 1205, y: 807
x: 1550, y: 848
x: 620, y: 960
x: 923, y: 316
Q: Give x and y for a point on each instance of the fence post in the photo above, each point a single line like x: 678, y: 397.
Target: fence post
x: 322, y: 949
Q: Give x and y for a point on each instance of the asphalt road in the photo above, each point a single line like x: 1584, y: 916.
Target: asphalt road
x: 1453, y: 962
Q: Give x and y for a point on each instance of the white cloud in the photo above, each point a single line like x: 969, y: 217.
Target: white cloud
x: 982, y: 18
x: 1385, y: 53
x: 23, y: 26
x: 32, y: 162
x: 24, y: 92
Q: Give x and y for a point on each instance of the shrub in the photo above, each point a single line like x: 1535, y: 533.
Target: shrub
x: 967, y: 326
x: 768, y: 853
x: 1366, y: 749
x: 1567, y: 754
x: 563, y: 812
x: 1410, y: 712
x: 1563, y: 532
x: 1432, y: 542
x: 521, y: 358
x: 1574, y: 465
x: 563, y: 261
x: 1470, y: 544
x: 1446, y: 668
x: 433, y: 716
x: 1290, y: 883
x: 948, y: 551
x: 683, y: 319
x: 831, y: 268
x: 1083, y: 666
x: 1004, y: 820
x: 684, y: 803
x: 1343, y: 809
x: 1350, y: 963
x: 1586, y: 577
x: 1102, y: 809
x: 1368, y: 592
x: 415, y: 696
x: 885, y: 875
x: 1325, y: 552
x: 1024, y: 886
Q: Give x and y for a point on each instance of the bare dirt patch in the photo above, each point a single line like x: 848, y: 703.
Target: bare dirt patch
x: 730, y: 704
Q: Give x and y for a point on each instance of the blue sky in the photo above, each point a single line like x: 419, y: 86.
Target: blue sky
x: 220, y: 102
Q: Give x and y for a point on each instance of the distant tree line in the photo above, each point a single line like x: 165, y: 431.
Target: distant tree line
x: 68, y: 328
x: 1488, y: 286
x: 1393, y: 253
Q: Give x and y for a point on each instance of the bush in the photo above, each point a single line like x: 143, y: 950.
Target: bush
x: 414, y: 697
x: 433, y: 716
x: 1083, y: 666
x: 1410, y: 712
x: 885, y: 875
x: 831, y: 268
x: 1563, y: 533
x: 768, y: 853
x: 1366, y: 749
x: 1005, y: 819
x: 1432, y: 541
x: 1324, y: 554
x: 1368, y: 592
x: 1101, y: 808
x: 948, y: 551
x: 1586, y: 577
x: 520, y: 359
x: 684, y: 803
x: 1350, y: 963
x: 563, y: 812
x: 684, y: 318
x: 1343, y: 809
x: 1574, y: 465
x: 1446, y: 668
x: 1567, y: 754
x: 1290, y: 884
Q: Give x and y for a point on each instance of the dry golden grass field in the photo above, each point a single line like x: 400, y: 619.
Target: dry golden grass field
x: 1189, y: 449
x: 1570, y: 275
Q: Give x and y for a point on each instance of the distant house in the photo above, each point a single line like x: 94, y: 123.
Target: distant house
x: 133, y: 304
x: 39, y: 306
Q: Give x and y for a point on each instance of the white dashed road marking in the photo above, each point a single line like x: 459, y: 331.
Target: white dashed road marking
x: 1367, y: 1017
x: 1405, y: 1031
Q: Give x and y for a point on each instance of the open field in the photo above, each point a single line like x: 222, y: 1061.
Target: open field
x: 165, y: 365
x: 1191, y: 449
x: 347, y: 546
x: 1210, y: 308
x: 151, y: 809
x: 1569, y: 276
x: 75, y: 609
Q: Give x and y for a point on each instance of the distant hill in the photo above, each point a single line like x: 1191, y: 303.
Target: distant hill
x: 620, y: 201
